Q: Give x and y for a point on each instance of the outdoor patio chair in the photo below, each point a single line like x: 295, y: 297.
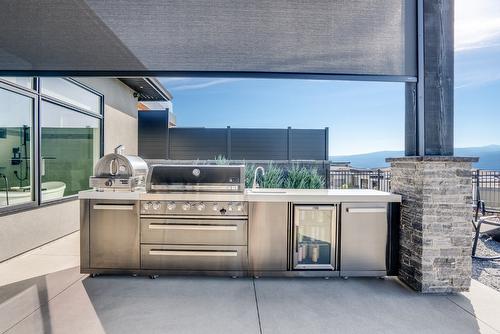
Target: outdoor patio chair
x: 477, y: 222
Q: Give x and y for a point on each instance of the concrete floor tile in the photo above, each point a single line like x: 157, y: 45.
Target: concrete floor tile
x: 124, y: 304
x: 70, y: 312
x: 18, y: 300
x: 140, y: 305
x: 356, y: 306
x: 68, y: 245
x: 481, y: 301
x: 35, y: 265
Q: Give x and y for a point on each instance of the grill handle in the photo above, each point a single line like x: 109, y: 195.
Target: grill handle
x: 193, y: 227
x: 192, y: 253
x: 113, y: 167
x: 366, y: 210
x: 122, y: 207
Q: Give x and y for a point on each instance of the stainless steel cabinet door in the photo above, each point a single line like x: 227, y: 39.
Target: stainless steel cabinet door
x: 363, y: 237
x: 315, y: 237
x: 267, y: 239
x: 114, y: 234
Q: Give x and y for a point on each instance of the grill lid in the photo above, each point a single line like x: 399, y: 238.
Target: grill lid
x: 196, y: 178
x: 120, y: 166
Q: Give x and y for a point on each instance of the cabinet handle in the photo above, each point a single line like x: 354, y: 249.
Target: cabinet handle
x: 366, y: 210
x: 296, y: 238
x: 193, y: 227
x: 129, y: 207
x: 192, y: 253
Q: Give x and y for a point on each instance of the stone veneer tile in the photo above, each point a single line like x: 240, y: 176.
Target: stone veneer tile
x: 435, y: 227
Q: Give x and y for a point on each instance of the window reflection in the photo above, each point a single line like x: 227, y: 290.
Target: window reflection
x: 71, y: 93
x: 15, y: 148
x: 70, y: 147
x: 21, y: 81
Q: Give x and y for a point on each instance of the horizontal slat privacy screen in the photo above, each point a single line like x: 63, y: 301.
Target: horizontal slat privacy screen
x: 360, y: 37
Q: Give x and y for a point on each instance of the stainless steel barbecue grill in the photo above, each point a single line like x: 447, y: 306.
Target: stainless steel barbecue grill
x: 194, y: 234
x: 117, y: 171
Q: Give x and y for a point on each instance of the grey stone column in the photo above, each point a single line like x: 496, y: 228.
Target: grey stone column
x: 436, y: 213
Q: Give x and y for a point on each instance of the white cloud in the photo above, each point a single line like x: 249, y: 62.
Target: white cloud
x: 477, y: 24
x: 177, y: 84
x: 204, y: 84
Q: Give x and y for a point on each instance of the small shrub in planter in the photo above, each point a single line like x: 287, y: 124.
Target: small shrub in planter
x: 273, y: 177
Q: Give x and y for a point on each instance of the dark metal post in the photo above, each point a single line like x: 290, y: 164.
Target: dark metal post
x: 289, y: 143
x: 411, y: 119
x: 228, y: 143
x: 327, y: 142
x: 167, y: 134
x: 429, y: 103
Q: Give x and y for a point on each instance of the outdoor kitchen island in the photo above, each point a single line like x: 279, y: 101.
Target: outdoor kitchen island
x: 260, y: 232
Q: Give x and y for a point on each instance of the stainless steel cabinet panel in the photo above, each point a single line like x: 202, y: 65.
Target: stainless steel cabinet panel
x: 114, y: 234
x: 364, y: 230
x: 268, y: 226
x: 314, y: 241
x: 176, y: 257
x: 194, y: 231
x: 84, y: 234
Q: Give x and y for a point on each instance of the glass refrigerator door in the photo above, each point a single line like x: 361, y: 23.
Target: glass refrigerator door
x: 314, y: 237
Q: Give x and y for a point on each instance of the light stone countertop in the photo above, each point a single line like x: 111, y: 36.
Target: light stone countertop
x: 314, y: 196
x: 306, y: 196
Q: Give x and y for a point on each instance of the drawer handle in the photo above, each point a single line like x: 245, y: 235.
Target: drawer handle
x: 191, y: 253
x: 366, y: 210
x: 128, y: 207
x: 193, y: 227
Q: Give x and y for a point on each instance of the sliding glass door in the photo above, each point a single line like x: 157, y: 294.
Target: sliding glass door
x: 16, y: 152
x: 50, y: 139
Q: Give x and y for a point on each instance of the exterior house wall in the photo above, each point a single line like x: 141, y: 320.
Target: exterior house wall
x: 23, y: 231
x: 120, y: 113
x: 119, y: 129
x: 26, y: 230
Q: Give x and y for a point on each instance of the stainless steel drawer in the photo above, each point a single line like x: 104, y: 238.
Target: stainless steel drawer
x: 194, y: 231
x: 177, y: 257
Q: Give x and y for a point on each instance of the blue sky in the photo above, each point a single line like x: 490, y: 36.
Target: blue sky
x: 362, y: 116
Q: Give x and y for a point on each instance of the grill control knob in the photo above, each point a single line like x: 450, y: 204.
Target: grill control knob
x: 215, y: 207
x: 230, y: 207
x: 239, y: 207
x: 170, y: 206
x: 186, y: 206
x: 200, y: 207
x: 147, y: 205
x: 156, y: 205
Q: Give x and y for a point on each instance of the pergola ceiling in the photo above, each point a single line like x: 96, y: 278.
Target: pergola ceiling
x: 151, y: 37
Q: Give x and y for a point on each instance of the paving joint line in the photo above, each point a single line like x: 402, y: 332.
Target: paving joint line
x: 473, y: 315
x: 46, y: 303
x: 257, y: 304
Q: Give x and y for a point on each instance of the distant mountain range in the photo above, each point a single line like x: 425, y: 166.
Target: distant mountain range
x: 489, y: 157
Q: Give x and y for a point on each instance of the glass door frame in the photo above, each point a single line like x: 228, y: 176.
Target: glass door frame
x: 333, y: 208
x: 34, y: 134
x: 35, y: 93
